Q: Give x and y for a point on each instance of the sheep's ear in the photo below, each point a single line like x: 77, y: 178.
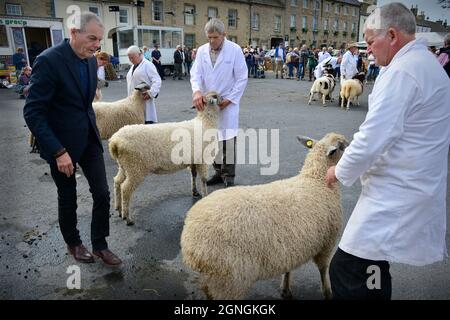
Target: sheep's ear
x: 306, y: 141
x: 142, y: 86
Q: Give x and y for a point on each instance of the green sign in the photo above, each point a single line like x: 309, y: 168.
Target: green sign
x: 13, y: 22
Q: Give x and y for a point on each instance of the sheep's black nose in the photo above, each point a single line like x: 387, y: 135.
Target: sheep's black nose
x: 106, y: 84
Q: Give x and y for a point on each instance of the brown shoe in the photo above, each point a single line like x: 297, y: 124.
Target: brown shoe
x: 108, y: 257
x: 81, y: 254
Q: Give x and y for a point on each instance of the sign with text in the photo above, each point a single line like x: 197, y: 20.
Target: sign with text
x: 13, y: 22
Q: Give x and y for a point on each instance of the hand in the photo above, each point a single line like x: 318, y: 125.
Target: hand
x: 330, y: 178
x: 65, y: 165
x: 198, y: 101
x: 224, y: 104
x: 146, y: 95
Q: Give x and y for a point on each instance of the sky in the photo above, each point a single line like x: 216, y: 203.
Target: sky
x: 432, y: 8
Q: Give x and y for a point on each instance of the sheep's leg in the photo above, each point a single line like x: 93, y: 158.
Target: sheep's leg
x: 118, y: 180
x: 224, y: 288
x: 342, y: 102
x: 322, y: 260
x: 357, y: 100
x: 127, y: 188
x: 203, y: 172
x: 323, y: 98
x: 310, y: 97
x: 285, y: 286
x: 193, y: 181
x: 348, y: 103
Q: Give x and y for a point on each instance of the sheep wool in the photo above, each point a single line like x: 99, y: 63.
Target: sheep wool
x: 239, y: 235
x: 143, y: 149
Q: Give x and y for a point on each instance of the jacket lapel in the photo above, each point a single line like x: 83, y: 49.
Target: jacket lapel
x: 73, y: 68
x: 92, y: 66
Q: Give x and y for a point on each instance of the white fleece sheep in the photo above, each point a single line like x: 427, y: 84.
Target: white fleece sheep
x: 143, y: 149
x: 323, y: 86
x: 351, y: 89
x: 239, y: 235
x: 111, y: 116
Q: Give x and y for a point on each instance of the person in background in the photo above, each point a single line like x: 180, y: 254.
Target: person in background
x: 102, y: 60
x: 23, y: 82
x: 279, y: 58
x: 444, y: 55
x: 178, y: 58
x: 147, y: 54
x: 19, y: 61
x: 400, y: 155
x: 348, y: 63
x: 143, y: 71
x: 156, y: 59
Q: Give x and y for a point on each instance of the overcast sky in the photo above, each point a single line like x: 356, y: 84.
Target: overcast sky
x: 431, y: 7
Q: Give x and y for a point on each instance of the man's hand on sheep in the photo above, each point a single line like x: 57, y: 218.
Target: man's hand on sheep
x: 198, y: 101
x: 330, y: 178
x: 65, y: 165
x: 224, y: 104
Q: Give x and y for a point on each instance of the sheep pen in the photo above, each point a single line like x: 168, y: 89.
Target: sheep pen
x: 237, y: 236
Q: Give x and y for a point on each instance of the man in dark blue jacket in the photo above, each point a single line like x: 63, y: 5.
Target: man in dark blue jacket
x: 59, y: 113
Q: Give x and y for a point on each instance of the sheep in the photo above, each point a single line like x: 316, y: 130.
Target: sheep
x: 324, y: 86
x: 111, y: 116
x: 242, y: 234
x: 142, y: 149
x: 351, y: 89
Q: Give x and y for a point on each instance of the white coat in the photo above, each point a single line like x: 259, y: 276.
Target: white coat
x: 320, y: 68
x: 348, y: 66
x: 228, y: 77
x: 145, y: 72
x: 323, y: 55
x: 401, y: 155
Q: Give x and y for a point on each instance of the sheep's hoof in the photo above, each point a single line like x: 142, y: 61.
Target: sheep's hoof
x: 196, y: 194
x: 130, y: 223
x: 286, y: 294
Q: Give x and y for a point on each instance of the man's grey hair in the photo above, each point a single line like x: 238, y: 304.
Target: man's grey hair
x: 81, y: 20
x: 133, y: 50
x: 393, y: 15
x: 447, y: 40
x: 214, y: 25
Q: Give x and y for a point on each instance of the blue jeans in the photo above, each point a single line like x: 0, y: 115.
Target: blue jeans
x: 300, y: 70
x: 291, y: 69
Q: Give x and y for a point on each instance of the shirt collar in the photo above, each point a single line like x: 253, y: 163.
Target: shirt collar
x: 218, y: 49
x: 74, y: 56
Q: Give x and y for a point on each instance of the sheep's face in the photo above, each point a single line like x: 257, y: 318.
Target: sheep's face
x: 213, y: 98
x: 142, y: 87
x: 101, y: 83
x: 360, y: 76
x: 335, y: 143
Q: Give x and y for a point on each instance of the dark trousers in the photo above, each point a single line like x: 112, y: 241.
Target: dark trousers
x: 159, y: 68
x: 353, y: 278
x: 93, y: 167
x: 225, y: 161
x: 178, y: 70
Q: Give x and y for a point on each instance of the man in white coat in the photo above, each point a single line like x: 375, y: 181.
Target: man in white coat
x: 220, y: 66
x: 400, y: 154
x: 348, y: 63
x: 144, y: 71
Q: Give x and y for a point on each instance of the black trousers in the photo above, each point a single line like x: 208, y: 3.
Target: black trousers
x: 354, y: 278
x: 93, y: 166
x: 225, y: 162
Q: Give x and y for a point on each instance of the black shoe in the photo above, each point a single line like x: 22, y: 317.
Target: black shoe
x: 228, y: 181
x: 149, y: 122
x: 215, y: 179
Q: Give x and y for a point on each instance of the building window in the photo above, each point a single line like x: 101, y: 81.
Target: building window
x: 325, y: 24
x: 345, y: 26
x: 157, y: 10
x: 189, y: 40
x: 13, y: 9
x: 255, y: 21
x: 346, y: 12
x: 3, y: 37
x: 189, y: 15
x: 123, y: 16
x: 232, y: 18
x: 327, y: 7
x: 353, y: 26
x: 305, y: 3
x: 212, y: 13
x: 336, y: 24
x: 277, y: 26
x: 304, y: 22
x: 336, y: 9
x: 316, y: 5
x: 93, y: 10
x: 354, y: 12
x: 293, y: 22
x: 293, y: 3
x: 314, y: 23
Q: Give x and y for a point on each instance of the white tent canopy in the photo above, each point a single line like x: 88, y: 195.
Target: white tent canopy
x: 435, y: 39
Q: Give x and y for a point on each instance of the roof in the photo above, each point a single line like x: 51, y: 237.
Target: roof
x: 352, y: 2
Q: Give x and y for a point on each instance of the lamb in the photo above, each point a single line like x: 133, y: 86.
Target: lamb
x: 239, y: 235
x: 142, y: 149
x: 351, y: 89
x: 324, y: 86
x: 111, y: 116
